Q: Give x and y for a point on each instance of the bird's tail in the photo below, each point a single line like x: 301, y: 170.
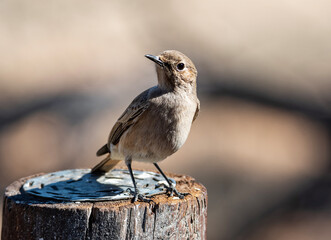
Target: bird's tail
x: 105, y: 165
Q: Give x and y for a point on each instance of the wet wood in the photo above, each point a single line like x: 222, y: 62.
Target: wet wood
x: 28, y: 217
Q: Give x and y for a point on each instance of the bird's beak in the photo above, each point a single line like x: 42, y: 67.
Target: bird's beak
x: 155, y: 59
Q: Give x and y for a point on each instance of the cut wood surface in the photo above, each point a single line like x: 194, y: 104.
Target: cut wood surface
x: 28, y: 217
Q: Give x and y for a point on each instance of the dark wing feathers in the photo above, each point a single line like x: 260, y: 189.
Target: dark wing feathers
x: 103, y: 150
x: 126, y: 120
x: 129, y: 117
x: 196, y: 111
x: 119, y: 129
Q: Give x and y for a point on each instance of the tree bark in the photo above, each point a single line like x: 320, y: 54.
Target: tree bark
x: 28, y: 217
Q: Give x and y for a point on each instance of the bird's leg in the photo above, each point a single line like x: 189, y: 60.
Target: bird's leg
x: 171, y: 189
x: 136, y: 194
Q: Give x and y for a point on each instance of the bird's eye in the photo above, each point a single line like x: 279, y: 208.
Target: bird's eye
x: 180, y: 66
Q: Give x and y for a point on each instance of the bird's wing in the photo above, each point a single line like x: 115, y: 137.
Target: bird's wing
x: 129, y: 117
x: 103, y: 150
x: 196, y: 111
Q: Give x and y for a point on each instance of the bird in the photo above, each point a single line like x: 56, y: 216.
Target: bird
x: 157, y: 122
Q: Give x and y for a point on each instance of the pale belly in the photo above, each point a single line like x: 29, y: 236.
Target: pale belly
x: 158, y: 134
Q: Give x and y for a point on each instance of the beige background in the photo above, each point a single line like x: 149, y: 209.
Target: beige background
x: 261, y: 144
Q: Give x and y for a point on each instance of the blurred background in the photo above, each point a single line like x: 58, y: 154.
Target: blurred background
x: 261, y: 144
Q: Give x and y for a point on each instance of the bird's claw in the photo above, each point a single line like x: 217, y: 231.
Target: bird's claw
x: 137, y: 196
x: 172, y: 190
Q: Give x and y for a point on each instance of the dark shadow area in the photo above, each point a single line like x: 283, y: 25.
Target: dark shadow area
x: 79, y: 185
x: 85, y: 188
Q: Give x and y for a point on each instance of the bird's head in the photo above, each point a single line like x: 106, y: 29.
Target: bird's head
x: 174, y: 70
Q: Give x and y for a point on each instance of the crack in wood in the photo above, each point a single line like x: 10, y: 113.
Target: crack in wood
x: 154, y: 223
x: 89, y: 221
x: 128, y: 229
x: 144, y: 220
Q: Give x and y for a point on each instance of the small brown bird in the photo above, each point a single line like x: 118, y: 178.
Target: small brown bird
x: 157, y: 122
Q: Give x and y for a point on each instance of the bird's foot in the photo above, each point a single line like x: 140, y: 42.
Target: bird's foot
x: 137, y: 196
x: 172, y: 190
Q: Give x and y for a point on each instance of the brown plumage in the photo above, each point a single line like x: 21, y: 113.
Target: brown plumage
x: 157, y: 122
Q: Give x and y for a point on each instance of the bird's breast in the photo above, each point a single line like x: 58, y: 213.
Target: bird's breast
x: 161, y: 130
x: 175, y: 115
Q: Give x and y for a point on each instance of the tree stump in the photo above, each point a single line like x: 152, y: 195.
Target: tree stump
x: 30, y: 217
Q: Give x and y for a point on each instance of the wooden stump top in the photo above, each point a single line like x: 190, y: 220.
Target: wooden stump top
x: 29, y: 217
